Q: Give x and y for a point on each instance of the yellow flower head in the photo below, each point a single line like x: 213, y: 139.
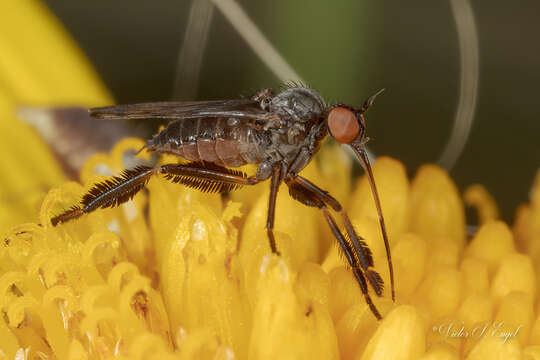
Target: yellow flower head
x: 184, y: 275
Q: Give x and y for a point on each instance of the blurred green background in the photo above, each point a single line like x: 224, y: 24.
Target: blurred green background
x: 348, y: 50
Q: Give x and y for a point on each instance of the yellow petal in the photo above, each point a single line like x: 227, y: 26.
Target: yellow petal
x: 441, y: 351
x: 282, y: 328
x: 409, y: 258
x: 515, y: 316
x: 40, y: 65
x: 475, y: 275
x: 515, y: 273
x: 201, y: 281
x: 436, y: 208
x: 494, y: 348
x: 477, y: 196
x: 393, y: 187
x: 441, y: 292
x: 531, y: 353
x: 399, y: 336
x: 356, y: 327
x: 492, y: 242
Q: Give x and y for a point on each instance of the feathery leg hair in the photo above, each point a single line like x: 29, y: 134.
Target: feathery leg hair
x: 109, y: 193
x: 206, y: 176
x: 354, y: 248
x: 116, y: 190
x: 349, y: 253
x: 300, y: 185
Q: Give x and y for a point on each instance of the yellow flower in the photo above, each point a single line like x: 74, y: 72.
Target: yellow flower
x: 183, y: 275
x: 40, y: 65
x: 195, y: 279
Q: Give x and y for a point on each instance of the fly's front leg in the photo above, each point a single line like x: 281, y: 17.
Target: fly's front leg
x: 365, y: 257
x: 274, y: 187
x: 355, y: 251
x: 349, y: 253
x: 363, y: 251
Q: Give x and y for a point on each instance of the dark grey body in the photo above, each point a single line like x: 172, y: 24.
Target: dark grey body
x: 292, y: 123
x: 224, y: 141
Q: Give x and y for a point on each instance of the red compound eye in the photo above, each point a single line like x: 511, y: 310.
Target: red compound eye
x: 343, y: 125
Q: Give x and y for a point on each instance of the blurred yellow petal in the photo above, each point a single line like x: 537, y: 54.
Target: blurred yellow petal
x: 527, y: 223
x: 441, y: 291
x: 476, y: 308
x: 436, y: 208
x: 442, y: 251
x: 294, y: 228
x: 343, y: 292
x: 393, y: 188
x: 494, y: 348
x: 476, y: 195
x: 515, y: 273
x: 409, y: 258
x: 531, y: 353
x: 356, y: 327
x: 475, y: 275
x: 282, y: 328
x: 399, y: 336
x: 491, y: 243
x: 515, y: 316
x: 441, y: 352
x: 40, y: 65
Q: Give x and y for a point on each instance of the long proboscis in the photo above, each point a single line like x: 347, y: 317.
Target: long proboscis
x: 364, y: 161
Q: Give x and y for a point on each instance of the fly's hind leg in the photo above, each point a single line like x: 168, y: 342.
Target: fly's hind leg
x: 114, y: 191
x: 109, y: 193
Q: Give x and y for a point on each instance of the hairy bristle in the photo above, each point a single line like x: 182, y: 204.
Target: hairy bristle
x: 362, y: 251
x: 342, y: 256
x: 185, y: 174
x: 364, y: 258
x: 293, y: 84
x: 373, y: 277
x: 205, y: 165
x: 109, y: 193
x: 204, y: 185
x: 117, y: 190
x: 304, y: 195
x: 73, y: 213
x: 376, y: 281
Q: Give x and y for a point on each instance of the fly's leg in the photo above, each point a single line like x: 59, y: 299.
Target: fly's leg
x: 359, y: 245
x: 354, y: 248
x: 351, y: 259
x: 274, y: 187
x: 114, y: 191
x: 109, y: 193
x: 206, y: 176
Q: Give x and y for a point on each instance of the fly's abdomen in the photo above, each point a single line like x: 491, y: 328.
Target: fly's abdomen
x: 224, y: 141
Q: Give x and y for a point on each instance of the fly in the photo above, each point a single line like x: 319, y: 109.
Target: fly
x: 279, y: 132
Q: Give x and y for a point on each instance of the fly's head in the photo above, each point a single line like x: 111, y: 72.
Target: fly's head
x: 347, y: 125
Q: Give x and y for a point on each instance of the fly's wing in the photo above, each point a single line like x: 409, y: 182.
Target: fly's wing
x: 174, y: 110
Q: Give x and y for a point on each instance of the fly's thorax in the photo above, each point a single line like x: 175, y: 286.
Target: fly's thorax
x: 301, y: 104
x: 288, y: 142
